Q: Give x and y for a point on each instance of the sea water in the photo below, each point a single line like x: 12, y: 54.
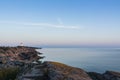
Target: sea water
x: 89, y: 59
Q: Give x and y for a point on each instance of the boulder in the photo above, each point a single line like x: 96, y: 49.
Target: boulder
x: 59, y: 71
x: 112, y: 75
x: 108, y: 75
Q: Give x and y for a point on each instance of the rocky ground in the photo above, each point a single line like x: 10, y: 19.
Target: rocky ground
x: 54, y: 71
x: 19, y: 53
x: 17, y: 63
x: 58, y: 71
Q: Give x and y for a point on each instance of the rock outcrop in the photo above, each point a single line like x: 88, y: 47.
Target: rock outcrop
x: 96, y: 76
x: 112, y: 75
x: 55, y: 71
x: 108, y: 75
x: 59, y: 71
x: 20, y: 53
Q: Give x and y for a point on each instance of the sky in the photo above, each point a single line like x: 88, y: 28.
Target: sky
x: 60, y: 23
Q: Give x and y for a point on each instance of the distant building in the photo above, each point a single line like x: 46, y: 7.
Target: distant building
x: 21, y: 44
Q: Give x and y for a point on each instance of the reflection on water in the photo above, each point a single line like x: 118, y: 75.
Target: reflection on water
x: 90, y: 59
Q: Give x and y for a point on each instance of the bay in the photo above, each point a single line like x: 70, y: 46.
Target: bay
x: 89, y: 59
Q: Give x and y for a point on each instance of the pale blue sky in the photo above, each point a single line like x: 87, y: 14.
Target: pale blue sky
x: 60, y: 22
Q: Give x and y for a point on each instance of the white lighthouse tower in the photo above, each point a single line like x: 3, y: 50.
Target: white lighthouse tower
x: 21, y: 44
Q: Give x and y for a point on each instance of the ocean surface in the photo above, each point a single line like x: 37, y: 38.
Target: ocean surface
x: 89, y: 59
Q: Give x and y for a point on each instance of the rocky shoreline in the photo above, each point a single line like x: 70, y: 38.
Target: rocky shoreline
x: 23, y: 63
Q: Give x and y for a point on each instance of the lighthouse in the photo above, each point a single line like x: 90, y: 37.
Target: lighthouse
x: 21, y: 44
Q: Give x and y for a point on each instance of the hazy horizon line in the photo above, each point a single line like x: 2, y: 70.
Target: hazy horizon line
x: 63, y: 46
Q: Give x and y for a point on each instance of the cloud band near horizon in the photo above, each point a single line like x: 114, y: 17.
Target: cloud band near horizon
x: 41, y: 25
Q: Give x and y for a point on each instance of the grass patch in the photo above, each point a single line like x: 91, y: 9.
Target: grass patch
x: 8, y: 73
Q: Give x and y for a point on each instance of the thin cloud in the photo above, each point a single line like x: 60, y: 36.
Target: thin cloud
x: 44, y: 25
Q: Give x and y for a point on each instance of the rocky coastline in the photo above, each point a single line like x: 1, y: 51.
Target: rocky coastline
x: 23, y: 63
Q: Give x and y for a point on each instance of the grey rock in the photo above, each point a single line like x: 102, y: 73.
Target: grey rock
x: 112, y: 75
x: 108, y: 75
x: 59, y: 71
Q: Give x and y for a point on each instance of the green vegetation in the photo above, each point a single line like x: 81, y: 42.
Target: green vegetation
x: 8, y: 73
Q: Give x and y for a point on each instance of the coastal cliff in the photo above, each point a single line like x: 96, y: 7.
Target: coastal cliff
x: 17, y: 63
x: 19, y: 53
x: 54, y: 71
x: 59, y: 71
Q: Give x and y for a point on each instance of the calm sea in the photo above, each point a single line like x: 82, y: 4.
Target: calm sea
x: 89, y: 59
